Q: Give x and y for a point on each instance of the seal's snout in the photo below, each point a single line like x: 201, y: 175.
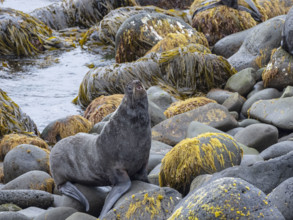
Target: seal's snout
x: 137, y: 85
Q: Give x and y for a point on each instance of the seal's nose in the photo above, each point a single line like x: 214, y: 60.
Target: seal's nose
x: 138, y: 85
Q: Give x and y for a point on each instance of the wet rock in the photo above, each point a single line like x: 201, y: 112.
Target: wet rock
x: 147, y: 200
x: 249, y: 159
x: 32, y: 212
x: 180, y: 107
x: 10, y: 141
x: 156, y: 114
x: 199, y: 181
x: 147, y: 29
x: 278, y: 73
x: 196, y: 128
x: 59, y: 213
x: 281, y: 197
x: 219, y: 95
x: 80, y: 215
x: 234, y: 131
x: 13, y: 120
x: 241, y: 82
x: 258, y: 136
x: 9, y: 207
x: 234, y: 102
x: 277, y: 112
x: 248, y: 150
x: 265, y: 175
x: 26, y: 198
x: 287, y: 43
x: 12, y: 216
x: 167, y: 4
x: 227, y: 198
x: 258, y: 45
x: 277, y: 150
x: 160, y: 148
x: 256, y: 88
x: 205, y: 154
x: 173, y: 130
x: 25, y: 158
x: 258, y: 74
x: 153, y: 176
x: 101, y: 107
x: 160, y: 97
x: 154, y: 160
x: 288, y: 92
x: 65, y: 127
x: 247, y: 122
x: 35, y: 179
x: 265, y: 94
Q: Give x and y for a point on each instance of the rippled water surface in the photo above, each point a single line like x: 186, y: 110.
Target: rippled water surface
x: 45, y: 87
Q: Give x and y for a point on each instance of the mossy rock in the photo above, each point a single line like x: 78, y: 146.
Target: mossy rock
x: 1, y: 174
x: 183, y: 72
x: 21, y: 34
x: 10, y: 141
x: 174, y: 130
x: 65, y: 127
x: 138, y: 34
x: 9, y: 207
x: 12, y: 119
x: 167, y: 4
x: 101, y: 107
x: 82, y: 13
x: 179, y: 107
x: 221, y: 21
x: 274, y: 8
x: 105, y: 32
x: 279, y: 73
x: 205, y: 154
x: 226, y: 198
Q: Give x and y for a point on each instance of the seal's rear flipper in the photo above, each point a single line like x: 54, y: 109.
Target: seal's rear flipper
x: 123, y: 184
x: 71, y: 190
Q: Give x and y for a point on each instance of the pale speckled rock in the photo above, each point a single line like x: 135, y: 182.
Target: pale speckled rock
x: 288, y: 92
x: 258, y: 136
x: 219, y: 95
x: 160, y: 97
x: 59, y: 213
x: 196, y: 128
x: 277, y: 150
x: 277, y: 112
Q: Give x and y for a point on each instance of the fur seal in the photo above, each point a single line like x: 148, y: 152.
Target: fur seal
x: 115, y: 157
x: 287, y: 33
x: 232, y: 4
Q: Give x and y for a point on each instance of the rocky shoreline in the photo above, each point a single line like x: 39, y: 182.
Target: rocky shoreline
x: 220, y: 99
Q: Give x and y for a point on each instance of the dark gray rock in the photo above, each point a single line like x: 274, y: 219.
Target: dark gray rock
x: 145, y: 201
x: 154, y: 160
x: 25, y: 158
x: 234, y: 102
x: 219, y: 95
x: 242, y: 82
x: 234, y: 131
x: 27, y: 198
x: 35, y: 179
x: 173, y: 130
x: 226, y: 198
x: 196, y: 128
x: 154, y: 175
x: 282, y: 196
x: 159, y: 147
x: 246, y: 122
x: 265, y: 94
x: 97, y: 128
x: 258, y: 136
x: 59, y: 213
x: 13, y: 216
x: 288, y: 92
x: 258, y: 74
x: 156, y: 113
x: 265, y: 175
x: 160, y: 97
x: 256, y: 88
x: 249, y: 159
x: 235, y: 115
x: 199, y: 181
x: 258, y: 44
x: 277, y: 150
x: 80, y: 215
x: 288, y: 137
x: 277, y: 112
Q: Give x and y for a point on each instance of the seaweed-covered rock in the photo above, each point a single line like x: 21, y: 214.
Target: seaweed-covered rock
x: 167, y: 4
x: 179, y: 107
x: 174, y: 130
x: 10, y: 141
x: 101, y: 107
x: 82, y: 13
x: 226, y: 198
x: 220, y: 21
x: 259, y: 42
x: 21, y: 34
x: 206, y: 153
x: 182, y: 71
x: 138, y: 34
x: 273, y: 8
x: 25, y: 158
x: 64, y: 127
x: 274, y: 111
x: 12, y: 119
x: 145, y: 201
x: 279, y: 73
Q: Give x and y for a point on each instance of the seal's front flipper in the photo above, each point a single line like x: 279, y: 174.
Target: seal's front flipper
x: 123, y: 183
x: 71, y: 190
x: 253, y: 14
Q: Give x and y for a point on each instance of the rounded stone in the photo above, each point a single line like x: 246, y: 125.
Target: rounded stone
x: 59, y: 213
x: 277, y: 150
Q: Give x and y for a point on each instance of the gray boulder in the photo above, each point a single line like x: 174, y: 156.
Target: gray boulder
x: 13, y: 216
x: 234, y: 102
x: 219, y: 95
x: 277, y: 150
x: 196, y: 128
x: 258, y: 136
x: 277, y: 112
x: 288, y: 92
x: 154, y: 160
x: 250, y: 159
x: 246, y: 122
x: 32, y: 212
x: 80, y: 215
x: 59, y: 213
x: 256, y: 88
x: 160, y: 97
x: 154, y: 175
x: 234, y: 131
x: 156, y: 113
x: 159, y: 148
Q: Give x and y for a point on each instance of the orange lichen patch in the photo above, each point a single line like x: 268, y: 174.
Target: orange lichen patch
x: 68, y: 126
x: 102, y: 106
x: 206, y: 153
x: 186, y: 105
x: 10, y: 141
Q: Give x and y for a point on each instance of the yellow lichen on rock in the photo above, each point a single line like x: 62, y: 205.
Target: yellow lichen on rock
x: 186, y: 105
x: 206, y: 153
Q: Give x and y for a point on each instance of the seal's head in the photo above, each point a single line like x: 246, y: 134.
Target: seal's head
x: 135, y: 92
